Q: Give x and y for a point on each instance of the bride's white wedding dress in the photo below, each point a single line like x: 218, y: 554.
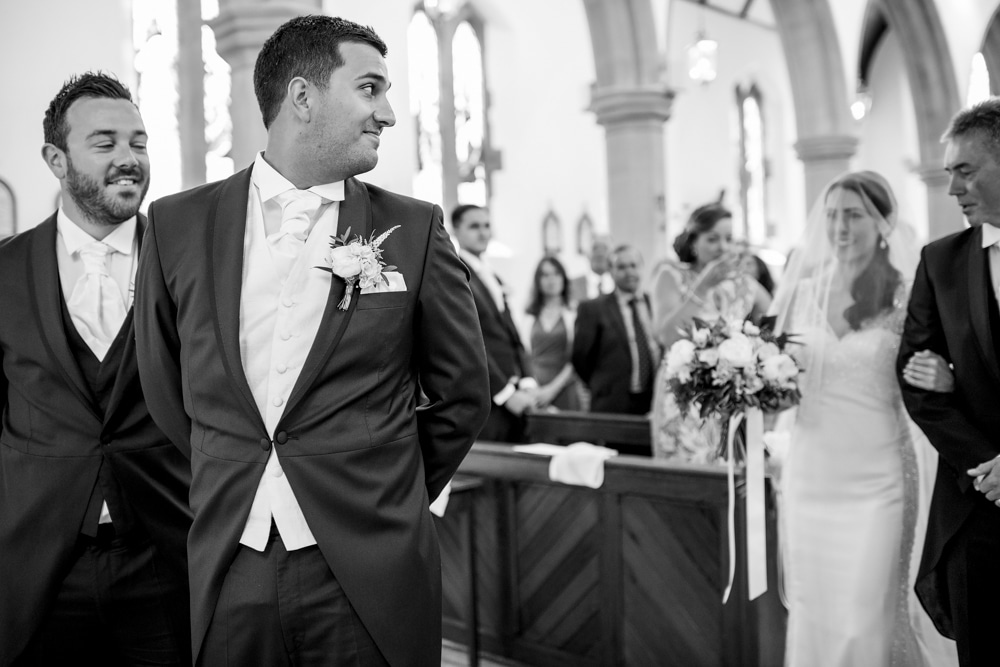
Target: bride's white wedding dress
x: 850, y: 510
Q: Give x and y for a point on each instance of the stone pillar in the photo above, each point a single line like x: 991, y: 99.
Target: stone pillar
x: 633, y: 119
x: 824, y: 158
x: 943, y: 214
x: 191, y: 93
x: 241, y: 28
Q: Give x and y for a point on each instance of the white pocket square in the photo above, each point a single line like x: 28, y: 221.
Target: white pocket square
x: 396, y: 284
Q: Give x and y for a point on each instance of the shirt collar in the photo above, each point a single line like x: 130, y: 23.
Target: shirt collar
x: 270, y: 183
x: 121, y: 239
x: 991, y: 235
x: 477, y: 264
x: 624, y: 298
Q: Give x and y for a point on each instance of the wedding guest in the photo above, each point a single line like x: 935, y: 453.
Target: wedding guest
x: 295, y: 389
x: 953, y: 312
x: 613, y: 351
x: 93, y: 497
x: 550, y: 328
x: 708, y: 284
x: 511, y: 385
x: 597, y: 280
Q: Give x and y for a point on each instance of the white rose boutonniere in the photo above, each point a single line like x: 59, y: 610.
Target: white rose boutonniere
x: 357, y: 261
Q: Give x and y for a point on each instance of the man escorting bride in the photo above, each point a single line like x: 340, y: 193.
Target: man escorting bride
x: 852, y: 479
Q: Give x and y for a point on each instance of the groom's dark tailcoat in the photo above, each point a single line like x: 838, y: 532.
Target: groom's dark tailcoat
x: 56, y: 446
x: 950, y: 313
x: 362, y: 460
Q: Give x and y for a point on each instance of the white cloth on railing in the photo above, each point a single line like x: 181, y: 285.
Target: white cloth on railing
x: 440, y: 503
x: 579, y: 464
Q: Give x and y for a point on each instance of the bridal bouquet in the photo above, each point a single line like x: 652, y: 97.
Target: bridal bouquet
x: 725, y: 367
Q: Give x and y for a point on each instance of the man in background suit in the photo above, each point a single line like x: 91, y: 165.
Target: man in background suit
x: 597, y: 279
x: 953, y: 312
x: 614, y: 352
x: 93, y: 496
x: 511, y: 385
x: 296, y: 395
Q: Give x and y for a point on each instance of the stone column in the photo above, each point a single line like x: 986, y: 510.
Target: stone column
x: 241, y: 28
x: 191, y: 93
x: 824, y: 158
x: 633, y: 119
x: 943, y: 214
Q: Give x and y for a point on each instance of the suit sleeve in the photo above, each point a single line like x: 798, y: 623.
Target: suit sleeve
x: 960, y: 443
x: 158, y: 345
x: 451, y: 361
x: 585, y: 341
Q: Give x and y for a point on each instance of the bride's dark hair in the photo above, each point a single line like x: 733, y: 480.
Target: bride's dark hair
x: 874, y: 289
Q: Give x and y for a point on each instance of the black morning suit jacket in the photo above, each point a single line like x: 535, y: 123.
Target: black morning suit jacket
x: 505, y: 353
x: 56, y: 445
x: 362, y: 461
x: 949, y: 313
x: 600, y: 353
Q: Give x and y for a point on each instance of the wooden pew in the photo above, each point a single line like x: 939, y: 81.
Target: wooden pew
x: 629, y: 434
x: 630, y: 574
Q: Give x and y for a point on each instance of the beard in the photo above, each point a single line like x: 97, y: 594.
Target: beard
x: 93, y: 199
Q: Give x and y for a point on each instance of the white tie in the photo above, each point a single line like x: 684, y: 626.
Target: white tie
x: 297, y: 209
x: 96, y: 305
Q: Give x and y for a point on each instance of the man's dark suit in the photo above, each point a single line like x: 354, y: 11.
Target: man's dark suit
x: 601, y: 357
x: 505, y: 357
x: 56, y: 446
x: 362, y: 462
x: 953, y: 312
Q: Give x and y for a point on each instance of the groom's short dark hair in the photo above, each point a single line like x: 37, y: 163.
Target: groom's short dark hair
x: 983, y: 118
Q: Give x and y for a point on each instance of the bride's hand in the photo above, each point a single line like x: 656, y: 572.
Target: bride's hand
x: 929, y: 371
x: 716, y: 271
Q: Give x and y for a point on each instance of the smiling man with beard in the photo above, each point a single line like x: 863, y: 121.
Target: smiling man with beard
x: 93, y: 496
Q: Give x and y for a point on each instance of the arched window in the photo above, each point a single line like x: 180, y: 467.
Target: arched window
x: 753, y: 165
x: 448, y: 100
x: 8, y: 210
x: 551, y: 234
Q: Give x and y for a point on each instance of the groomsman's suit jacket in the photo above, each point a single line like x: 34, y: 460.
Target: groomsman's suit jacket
x: 600, y: 353
x: 505, y: 353
x: 362, y: 462
x: 950, y: 313
x: 56, y: 445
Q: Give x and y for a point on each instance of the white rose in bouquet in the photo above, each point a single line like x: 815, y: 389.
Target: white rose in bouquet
x: 779, y: 369
x: 766, y: 351
x: 751, y: 329
x: 737, y: 351
x: 679, y: 359
x: 752, y: 384
x: 709, y: 357
x: 700, y: 337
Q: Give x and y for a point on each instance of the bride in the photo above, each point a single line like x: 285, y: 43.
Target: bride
x: 852, y: 481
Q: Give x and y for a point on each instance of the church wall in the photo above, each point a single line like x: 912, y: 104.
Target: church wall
x: 41, y: 45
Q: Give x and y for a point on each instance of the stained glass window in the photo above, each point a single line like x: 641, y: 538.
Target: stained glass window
x: 753, y: 165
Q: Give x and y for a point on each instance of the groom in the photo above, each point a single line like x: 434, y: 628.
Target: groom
x: 953, y: 311
x: 297, y: 398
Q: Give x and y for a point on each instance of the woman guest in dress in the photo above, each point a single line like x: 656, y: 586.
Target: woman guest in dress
x: 852, y: 479
x: 550, y: 337
x: 707, y: 284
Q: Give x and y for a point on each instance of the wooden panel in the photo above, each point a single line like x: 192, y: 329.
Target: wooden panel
x: 628, y: 434
x: 672, y: 586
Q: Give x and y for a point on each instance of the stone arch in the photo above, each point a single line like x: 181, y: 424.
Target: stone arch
x: 935, y: 99
x: 991, y: 51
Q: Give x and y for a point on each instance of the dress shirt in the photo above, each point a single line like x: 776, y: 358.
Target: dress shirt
x: 599, y: 284
x: 485, y: 272
x: 991, y: 240
x: 279, y: 320
x: 121, y: 265
x: 625, y: 306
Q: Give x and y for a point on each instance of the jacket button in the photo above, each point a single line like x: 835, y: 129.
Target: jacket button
x: 265, y: 444
x: 281, y: 438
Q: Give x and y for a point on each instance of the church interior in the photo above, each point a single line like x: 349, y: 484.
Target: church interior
x: 569, y: 120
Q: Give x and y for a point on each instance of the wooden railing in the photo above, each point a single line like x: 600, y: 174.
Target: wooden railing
x: 628, y: 434
x: 630, y: 574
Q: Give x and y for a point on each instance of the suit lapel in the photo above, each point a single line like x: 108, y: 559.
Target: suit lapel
x: 611, y: 303
x: 356, y: 214
x: 46, y: 297
x: 229, y: 222
x: 979, y: 304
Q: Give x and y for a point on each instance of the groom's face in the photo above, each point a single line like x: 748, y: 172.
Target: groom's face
x: 974, y: 168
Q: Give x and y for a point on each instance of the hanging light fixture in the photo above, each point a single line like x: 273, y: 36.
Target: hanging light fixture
x: 703, y: 58
x: 442, y: 8
x: 862, y: 103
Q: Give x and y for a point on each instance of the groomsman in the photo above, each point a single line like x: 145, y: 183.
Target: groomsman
x: 953, y: 311
x: 93, y: 497
x: 511, y: 385
x: 296, y: 396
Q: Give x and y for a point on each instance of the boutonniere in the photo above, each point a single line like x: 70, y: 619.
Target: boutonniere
x: 357, y: 261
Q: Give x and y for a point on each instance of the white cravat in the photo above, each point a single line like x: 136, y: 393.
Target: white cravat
x: 297, y: 210
x: 481, y: 266
x: 96, y: 305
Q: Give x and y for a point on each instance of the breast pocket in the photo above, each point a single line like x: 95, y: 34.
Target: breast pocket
x: 382, y: 300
